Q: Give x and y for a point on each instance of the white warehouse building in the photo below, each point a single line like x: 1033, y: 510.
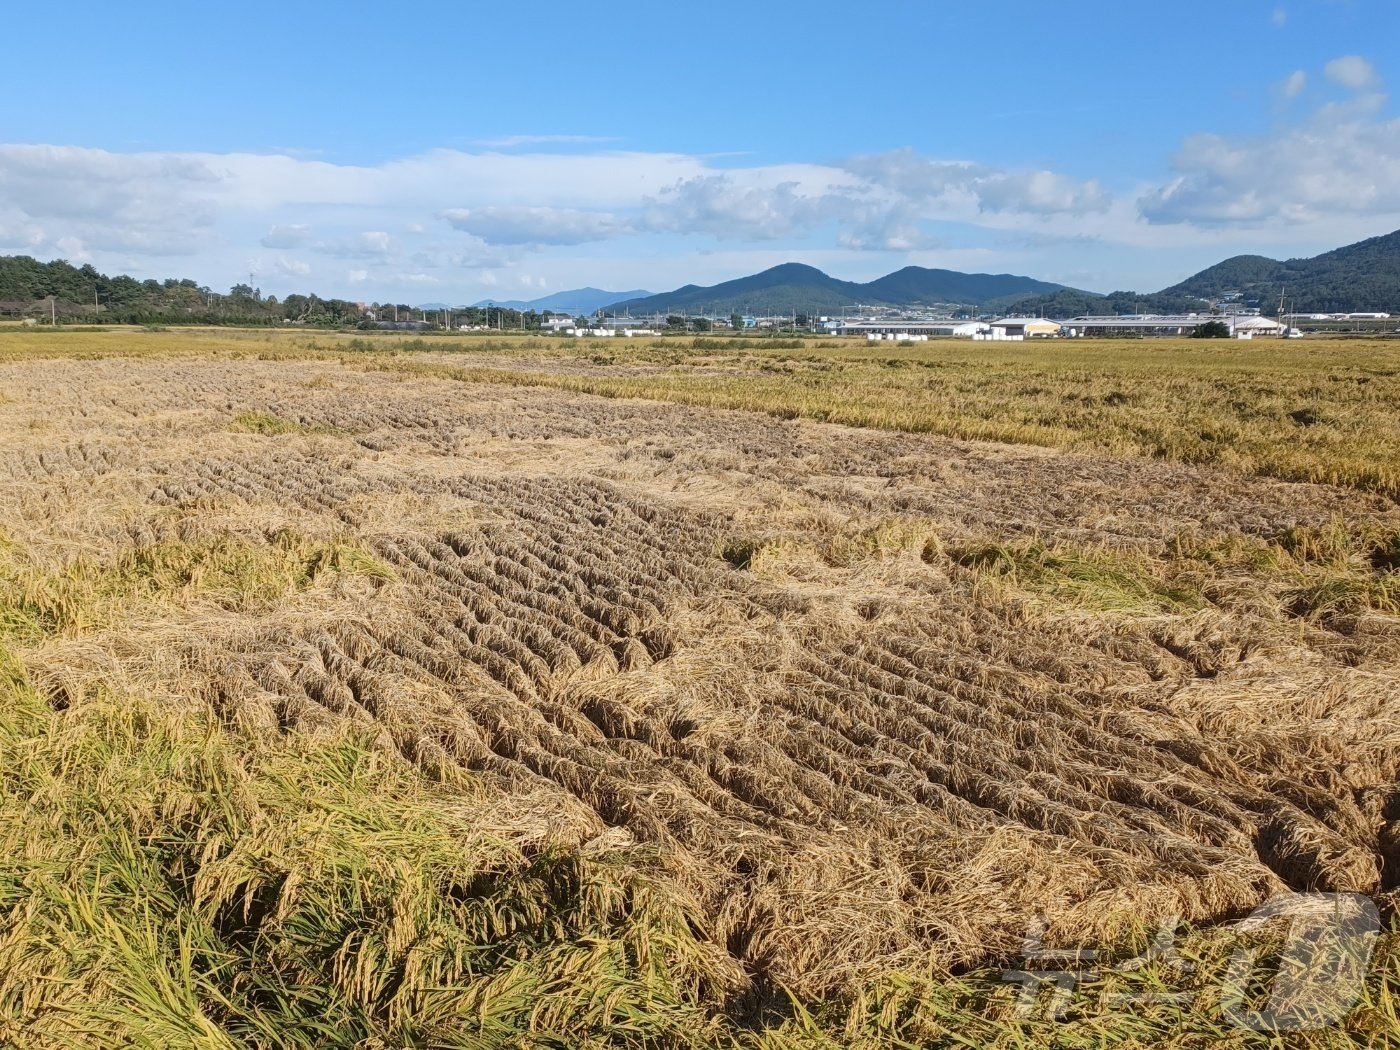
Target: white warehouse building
x: 909, y: 329
x: 1029, y: 327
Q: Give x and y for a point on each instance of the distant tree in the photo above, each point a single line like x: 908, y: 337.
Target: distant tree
x: 700, y: 324
x: 736, y: 321
x: 1212, y: 330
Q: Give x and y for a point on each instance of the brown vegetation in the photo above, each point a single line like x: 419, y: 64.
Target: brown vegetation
x: 869, y: 701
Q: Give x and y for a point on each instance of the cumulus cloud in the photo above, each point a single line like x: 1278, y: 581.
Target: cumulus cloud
x: 150, y: 203
x: 72, y: 249
x: 887, y: 227
x: 1340, y: 161
x: 536, y: 226
x: 1040, y: 193
x: 722, y: 206
x: 988, y: 189
x: 20, y: 234
x: 1323, y: 168
x: 370, y: 244
x: 1352, y: 72
x: 908, y: 174
x: 290, y: 267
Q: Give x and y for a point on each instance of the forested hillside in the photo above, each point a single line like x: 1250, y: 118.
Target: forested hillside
x: 81, y: 294
x: 1358, y: 277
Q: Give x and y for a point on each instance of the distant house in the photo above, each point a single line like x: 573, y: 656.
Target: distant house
x: 1250, y: 327
x: 1028, y: 327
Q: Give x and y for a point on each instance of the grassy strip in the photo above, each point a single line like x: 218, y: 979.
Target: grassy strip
x: 268, y: 424
x: 233, y: 572
x: 1322, y: 573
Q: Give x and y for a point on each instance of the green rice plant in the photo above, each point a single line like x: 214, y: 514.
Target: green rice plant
x: 1100, y: 580
x: 231, y: 571
x: 1317, y: 572
x: 169, y: 885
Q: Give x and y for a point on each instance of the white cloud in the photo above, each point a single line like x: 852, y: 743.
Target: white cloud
x: 1279, y: 18
x: 371, y: 244
x: 1040, y: 193
x: 958, y: 184
x: 148, y: 203
x: 21, y: 234
x: 723, y: 206
x: 499, y: 205
x: 1352, y: 72
x: 293, y: 235
x: 290, y: 267
x: 1340, y: 162
x: 1294, y: 84
x: 534, y: 226
x: 889, y: 228
x: 73, y: 250
x: 463, y: 221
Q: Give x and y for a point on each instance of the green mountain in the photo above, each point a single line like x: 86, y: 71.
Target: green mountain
x: 791, y: 286
x: 1070, y: 303
x: 1359, y: 277
x: 915, y: 285
x: 794, y: 287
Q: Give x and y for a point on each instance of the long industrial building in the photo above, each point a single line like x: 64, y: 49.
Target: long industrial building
x: 965, y: 329
x: 1167, y: 324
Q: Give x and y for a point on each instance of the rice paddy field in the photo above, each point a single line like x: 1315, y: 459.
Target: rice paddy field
x: 363, y: 691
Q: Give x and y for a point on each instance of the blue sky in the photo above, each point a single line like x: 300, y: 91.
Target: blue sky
x: 451, y: 152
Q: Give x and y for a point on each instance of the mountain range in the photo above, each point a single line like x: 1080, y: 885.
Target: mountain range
x: 1359, y: 277
x: 805, y: 289
x: 575, y: 301
x: 1364, y: 276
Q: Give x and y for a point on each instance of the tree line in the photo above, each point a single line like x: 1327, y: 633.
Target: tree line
x: 59, y: 290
